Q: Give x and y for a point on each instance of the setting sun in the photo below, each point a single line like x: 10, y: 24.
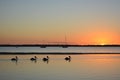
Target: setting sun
x: 102, y: 44
x: 102, y: 41
x: 101, y: 38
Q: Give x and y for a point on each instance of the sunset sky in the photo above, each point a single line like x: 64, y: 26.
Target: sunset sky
x: 41, y: 21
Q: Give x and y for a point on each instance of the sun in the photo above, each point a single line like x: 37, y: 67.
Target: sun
x: 100, y: 37
x: 102, y: 40
x: 103, y: 44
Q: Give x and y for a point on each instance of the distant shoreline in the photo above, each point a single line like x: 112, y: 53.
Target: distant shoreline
x: 54, y: 45
x: 49, y: 53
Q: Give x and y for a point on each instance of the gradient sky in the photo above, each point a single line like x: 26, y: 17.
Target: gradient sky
x: 81, y: 21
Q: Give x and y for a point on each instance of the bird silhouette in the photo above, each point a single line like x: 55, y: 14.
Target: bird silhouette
x: 33, y: 59
x: 46, y: 59
x: 14, y: 59
x: 68, y: 58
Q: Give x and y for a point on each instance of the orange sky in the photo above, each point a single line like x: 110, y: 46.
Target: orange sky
x: 82, y: 22
x: 101, y: 37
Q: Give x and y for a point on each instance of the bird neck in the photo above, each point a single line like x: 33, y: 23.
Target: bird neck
x: 16, y: 57
x: 35, y: 57
x: 47, y: 57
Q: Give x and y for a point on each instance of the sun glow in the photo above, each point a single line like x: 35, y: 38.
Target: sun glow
x: 101, y: 37
x: 102, y: 43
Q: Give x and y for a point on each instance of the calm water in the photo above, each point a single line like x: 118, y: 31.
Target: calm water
x: 59, y: 49
x: 81, y: 67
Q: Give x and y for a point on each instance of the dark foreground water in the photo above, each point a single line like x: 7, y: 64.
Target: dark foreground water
x: 81, y: 67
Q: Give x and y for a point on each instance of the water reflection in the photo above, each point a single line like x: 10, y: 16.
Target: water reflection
x: 68, y: 60
x: 46, y: 61
x: 35, y: 61
x: 82, y: 67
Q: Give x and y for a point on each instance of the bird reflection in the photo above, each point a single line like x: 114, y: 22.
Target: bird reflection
x: 46, y: 61
x: 35, y: 61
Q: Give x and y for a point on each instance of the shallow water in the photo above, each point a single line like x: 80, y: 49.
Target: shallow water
x: 81, y: 67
